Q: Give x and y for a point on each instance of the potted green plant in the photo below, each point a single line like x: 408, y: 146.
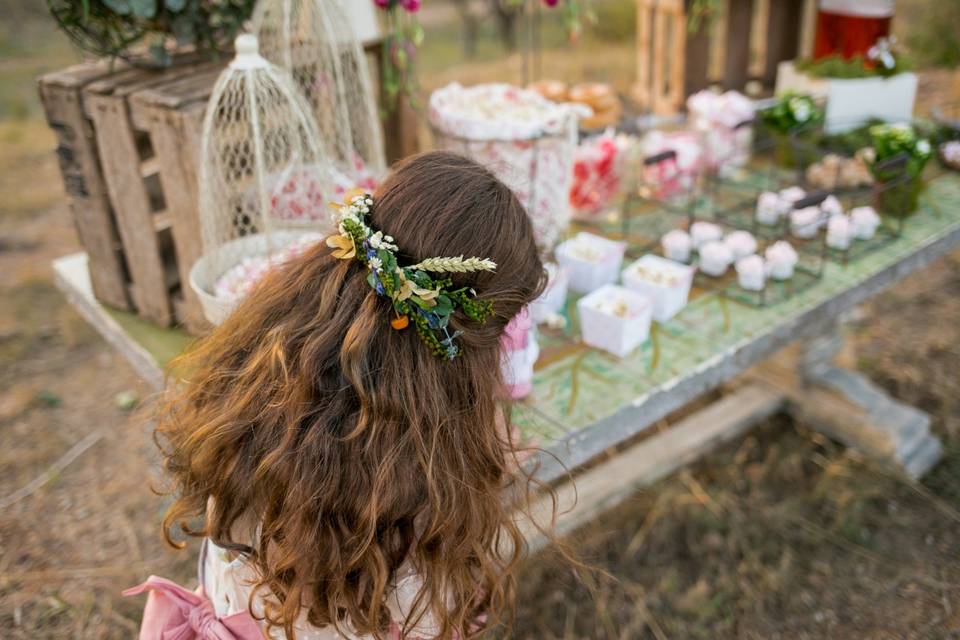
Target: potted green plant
x: 896, y: 159
x: 791, y: 114
x: 147, y: 32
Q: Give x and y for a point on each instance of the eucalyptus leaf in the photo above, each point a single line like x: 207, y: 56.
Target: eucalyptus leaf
x: 160, y: 54
x: 175, y: 6
x: 145, y: 9
x: 184, y: 30
x: 119, y: 6
x: 444, y: 306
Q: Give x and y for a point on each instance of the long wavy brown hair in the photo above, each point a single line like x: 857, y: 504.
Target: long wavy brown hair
x: 352, y: 447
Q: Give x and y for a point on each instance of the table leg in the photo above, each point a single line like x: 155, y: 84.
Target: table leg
x: 848, y: 407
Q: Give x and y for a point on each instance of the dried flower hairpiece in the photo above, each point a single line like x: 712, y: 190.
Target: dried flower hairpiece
x: 416, y: 295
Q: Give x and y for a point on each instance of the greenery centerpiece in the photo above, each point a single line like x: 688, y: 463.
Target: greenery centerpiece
x: 791, y: 114
x: 896, y: 158
x: 128, y: 29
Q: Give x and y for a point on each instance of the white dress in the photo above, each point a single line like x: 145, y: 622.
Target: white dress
x: 229, y: 582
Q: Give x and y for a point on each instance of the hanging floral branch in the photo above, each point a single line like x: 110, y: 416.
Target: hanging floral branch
x: 575, y: 13
x: 404, y: 36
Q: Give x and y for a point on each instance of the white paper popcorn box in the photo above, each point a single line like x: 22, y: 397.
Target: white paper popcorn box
x: 715, y: 258
x: 751, y: 273
x: 590, y: 260
x: 615, y: 319
x: 665, y: 282
x: 865, y: 222
x: 554, y: 296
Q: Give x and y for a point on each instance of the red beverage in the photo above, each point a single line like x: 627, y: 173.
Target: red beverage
x: 850, y: 27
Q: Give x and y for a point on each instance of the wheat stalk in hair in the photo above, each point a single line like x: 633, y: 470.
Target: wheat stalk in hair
x: 456, y: 265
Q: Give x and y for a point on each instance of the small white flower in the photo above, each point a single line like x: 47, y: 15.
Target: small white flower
x: 801, y: 110
x: 376, y: 240
x: 923, y: 147
x: 375, y: 264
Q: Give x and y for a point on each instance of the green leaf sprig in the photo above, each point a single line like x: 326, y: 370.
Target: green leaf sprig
x: 417, y: 296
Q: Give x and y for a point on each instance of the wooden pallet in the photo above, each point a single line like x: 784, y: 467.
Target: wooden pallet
x: 128, y: 140
x: 745, y: 42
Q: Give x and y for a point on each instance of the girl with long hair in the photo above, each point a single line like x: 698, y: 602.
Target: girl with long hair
x: 340, y: 442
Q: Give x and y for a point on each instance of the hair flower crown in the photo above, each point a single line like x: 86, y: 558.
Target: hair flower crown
x: 426, y: 300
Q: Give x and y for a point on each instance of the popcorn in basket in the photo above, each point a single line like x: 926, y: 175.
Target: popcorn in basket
x: 525, y: 139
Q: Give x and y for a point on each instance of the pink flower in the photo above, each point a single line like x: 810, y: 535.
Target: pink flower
x: 412, y: 6
x: 550, y: 3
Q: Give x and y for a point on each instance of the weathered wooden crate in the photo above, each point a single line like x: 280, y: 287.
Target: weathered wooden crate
x: 745, y: 42
x: 128, y: 142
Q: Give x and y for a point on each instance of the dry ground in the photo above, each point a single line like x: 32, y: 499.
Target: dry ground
x: 782, y: 534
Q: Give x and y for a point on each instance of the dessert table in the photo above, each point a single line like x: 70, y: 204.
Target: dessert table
x: 586, y: 402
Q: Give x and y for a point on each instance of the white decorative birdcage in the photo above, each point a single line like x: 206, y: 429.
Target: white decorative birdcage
x: 265, y: 180
x: 316, y: 42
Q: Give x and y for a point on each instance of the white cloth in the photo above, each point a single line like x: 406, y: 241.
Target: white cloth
x: 229, y: 582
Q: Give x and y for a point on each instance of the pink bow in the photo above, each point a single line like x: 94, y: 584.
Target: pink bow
x: 173, y: 613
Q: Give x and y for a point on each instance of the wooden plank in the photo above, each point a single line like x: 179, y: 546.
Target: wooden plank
x: 604, y: 486
x: 696, y: 59
x: 641, y: 90
x: 737, y: 63
x: 678, y: 45
x: 72, y: 277
x: 83, y: 181
x: 658, y: 61
x: 176, y: 138
x: 783, y: 36
x: 121, y: 168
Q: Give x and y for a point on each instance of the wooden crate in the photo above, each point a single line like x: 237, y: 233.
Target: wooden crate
x: 746, y: 42
x: 128, y: 140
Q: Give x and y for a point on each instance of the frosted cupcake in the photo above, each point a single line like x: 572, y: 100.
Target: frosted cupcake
x: 839, y: 232
x: 751, y: 272
x: 805, y: 223
x: 715, y: 257
x: 865, y: 222
x: 677, y: 245
x: 769, y: 208
x: 831, y: 206
x: 781, y: 260
x: 741, y: 243
x: 704, y: 232
x: 792, y: 195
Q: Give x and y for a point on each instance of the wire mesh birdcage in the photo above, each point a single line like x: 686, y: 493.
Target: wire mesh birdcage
x: 265, y: 181
x: 315, y: 41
